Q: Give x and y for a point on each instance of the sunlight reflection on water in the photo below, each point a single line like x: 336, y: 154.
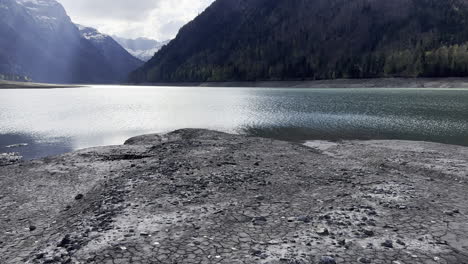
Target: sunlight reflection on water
x: 60, y: 120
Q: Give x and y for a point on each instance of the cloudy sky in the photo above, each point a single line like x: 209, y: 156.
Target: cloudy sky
x: 157, y: 19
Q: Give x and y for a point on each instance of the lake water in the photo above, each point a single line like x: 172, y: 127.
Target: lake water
x: 61, y: 120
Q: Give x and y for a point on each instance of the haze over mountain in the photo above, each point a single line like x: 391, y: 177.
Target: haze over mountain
x: 141, y: 48
x: 240, y: 40
x: 40, y: 41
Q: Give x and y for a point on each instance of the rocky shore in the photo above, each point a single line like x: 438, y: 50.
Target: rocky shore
x: 197, y: 196
x: 9, y: 158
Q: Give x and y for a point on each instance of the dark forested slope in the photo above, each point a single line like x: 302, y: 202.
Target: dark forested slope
x: 316, y: 39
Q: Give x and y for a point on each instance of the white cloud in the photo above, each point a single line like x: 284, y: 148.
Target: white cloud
x: 158, y: 19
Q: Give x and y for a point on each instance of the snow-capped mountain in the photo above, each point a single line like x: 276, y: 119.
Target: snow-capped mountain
x: 49, y: 15
x: 142, y: 48
x: 120, y: 60
x: 39, y: 40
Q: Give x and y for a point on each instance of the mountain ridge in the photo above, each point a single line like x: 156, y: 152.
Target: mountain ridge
x: 240, y: 40
x: 40, y: 42
x: 120, y: 60
x: 141, y: 48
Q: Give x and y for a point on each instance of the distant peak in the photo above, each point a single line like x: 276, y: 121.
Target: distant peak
x: 90, y: 33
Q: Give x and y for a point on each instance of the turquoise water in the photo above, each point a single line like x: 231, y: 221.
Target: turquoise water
x: 61, y: 120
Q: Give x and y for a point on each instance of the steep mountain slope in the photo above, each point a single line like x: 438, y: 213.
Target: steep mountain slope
x: 40, y: 41
x: 120, y: 61
x: 316, y: 39
x: 141, y: 48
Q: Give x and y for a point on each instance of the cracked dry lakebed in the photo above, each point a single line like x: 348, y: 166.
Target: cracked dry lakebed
x: 199, y: 196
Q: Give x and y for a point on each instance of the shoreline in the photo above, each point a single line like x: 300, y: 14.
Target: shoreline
x: 196, y: 196
x: 25, y: 85
x: 338, y: 83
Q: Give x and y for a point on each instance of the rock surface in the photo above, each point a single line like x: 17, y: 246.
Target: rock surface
x: 9, y: 158
x: 197, y: 196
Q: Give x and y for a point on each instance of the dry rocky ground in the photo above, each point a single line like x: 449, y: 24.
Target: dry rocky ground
x: 197, y: 196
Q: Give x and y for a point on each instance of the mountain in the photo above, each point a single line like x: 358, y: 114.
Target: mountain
x: 248, y: 40
x: 40, y: 41
x: 119, y: 60
x: 141, y: 48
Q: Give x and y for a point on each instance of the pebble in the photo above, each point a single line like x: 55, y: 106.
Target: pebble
x: 327, y: 260
x: 365, y: 260
x: 323, y: 232
x: 260, y: 197
x: 368, y: 233
x: 452, y: 212
x: 401, y: 242
x: 387, y: 244
x: 79, y: 196
x: 65, y: 241
x: 256, y: 252
x: 305, y: 219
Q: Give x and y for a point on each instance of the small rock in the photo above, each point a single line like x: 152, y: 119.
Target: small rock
x: 372, y: 212
x: 327, y: 260
x: 305, y: 219
x: 260, y: 197
x: 79, y: 197
x: 387, y: 244
x: 256, y: 252
x: 368, y: 233
x: 259, y: 220
x: 452, y: 212
x: 65, y: 242
x: 365, y: 260
x: 323, y: 232
x: 32, y: 228
x: 401, y: 242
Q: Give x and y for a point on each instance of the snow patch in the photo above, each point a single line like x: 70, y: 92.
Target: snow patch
x: 91, y: 34
x: 144, y: 54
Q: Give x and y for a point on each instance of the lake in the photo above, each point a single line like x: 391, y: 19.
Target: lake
x: 54, y: 121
